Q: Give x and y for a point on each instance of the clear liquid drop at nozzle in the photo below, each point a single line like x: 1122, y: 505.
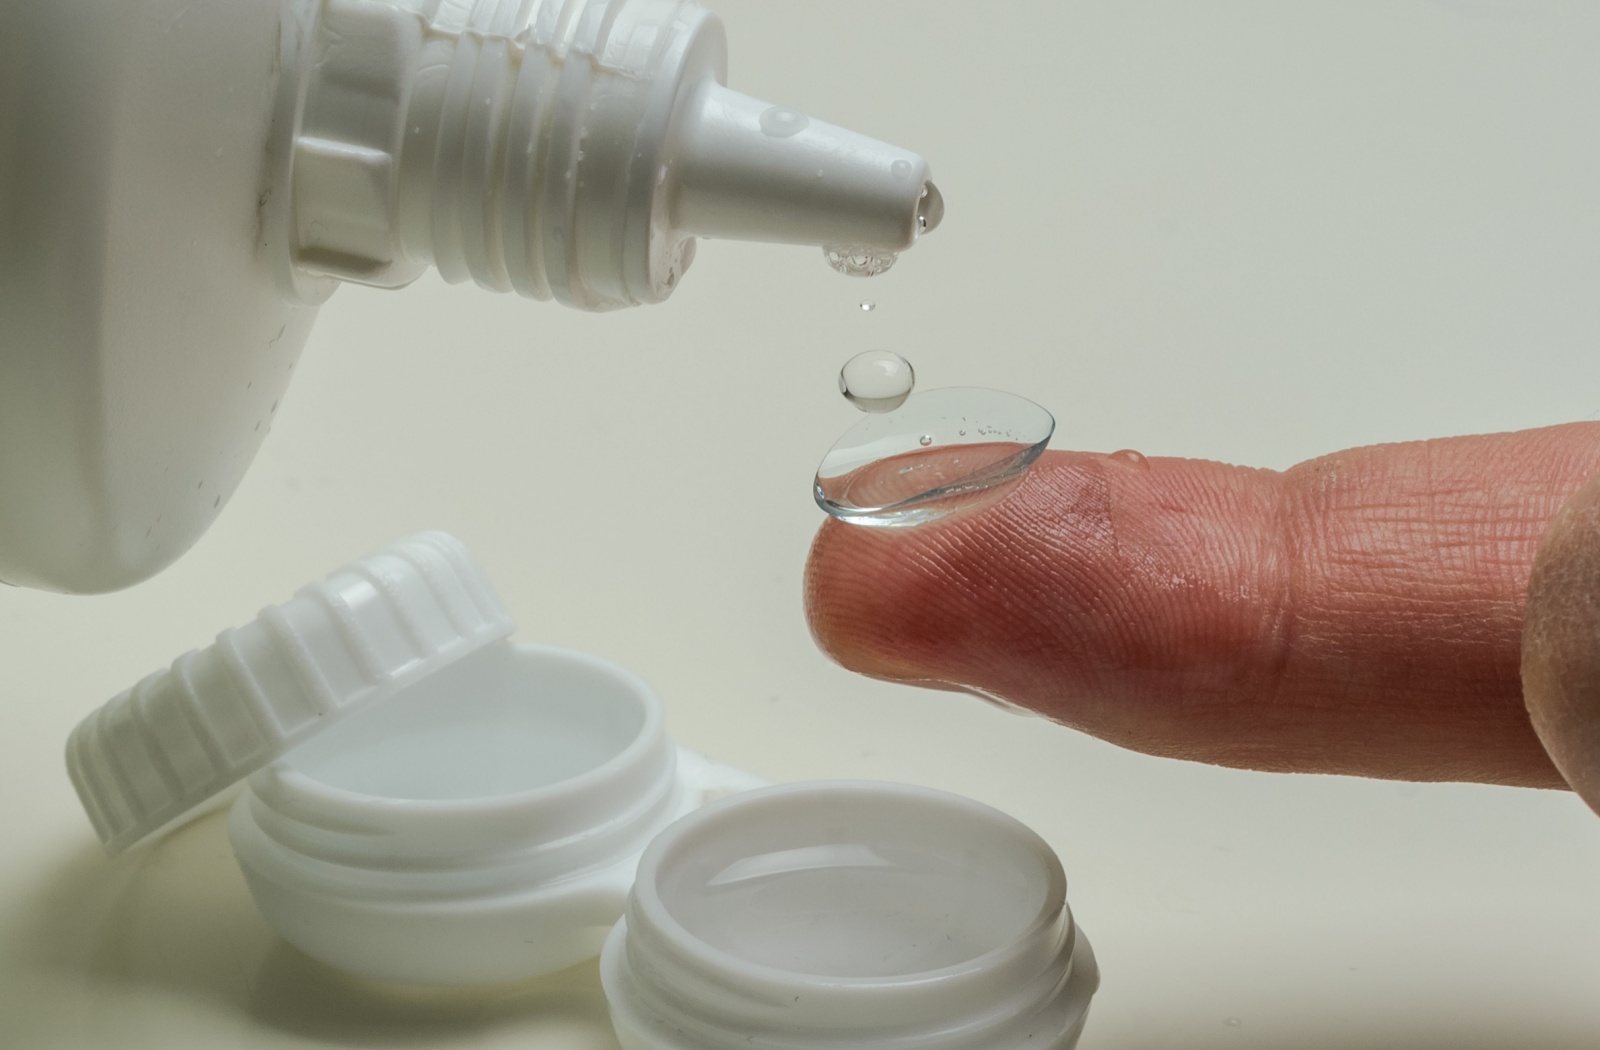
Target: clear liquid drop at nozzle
x: 877, y: 380
x: 930, y: 209
x: 857, y: 260
x: 854, y: 260
x: 942, y: 452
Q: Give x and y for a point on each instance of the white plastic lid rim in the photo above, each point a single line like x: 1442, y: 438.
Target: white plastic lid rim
x: 482, y: 826
x: 848, y: 914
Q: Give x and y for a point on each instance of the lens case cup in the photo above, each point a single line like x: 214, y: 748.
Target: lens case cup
x: 427, y: 801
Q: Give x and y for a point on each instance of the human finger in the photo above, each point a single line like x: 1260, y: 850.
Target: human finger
x: 1359, y: 613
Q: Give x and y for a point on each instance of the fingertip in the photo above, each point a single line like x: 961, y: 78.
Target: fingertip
x: 969, y: 601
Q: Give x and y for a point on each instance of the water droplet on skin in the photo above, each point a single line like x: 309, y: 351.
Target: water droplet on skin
x: 1129, y: 457
x: 900, y: 169
x: 781, y: 122
x: 877, y: 380
x: 913, y: 465
x: 867, y: 308
x: 859, y: 261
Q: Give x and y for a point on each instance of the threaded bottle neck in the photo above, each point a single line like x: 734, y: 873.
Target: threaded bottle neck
x: 515, y: 143
x: 566, y: 149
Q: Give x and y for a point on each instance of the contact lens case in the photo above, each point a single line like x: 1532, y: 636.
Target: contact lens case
x: 427, y: 801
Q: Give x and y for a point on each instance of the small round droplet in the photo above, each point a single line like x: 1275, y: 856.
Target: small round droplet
x: 930, y: 209
x: 867, y: 307
x: 925, y: 440
x: 859, y: 261
x: 1129, y: 457
x: 877, y: 380
x: 900, y: 169
x: 1233, y: 1022
x: 781, y: 122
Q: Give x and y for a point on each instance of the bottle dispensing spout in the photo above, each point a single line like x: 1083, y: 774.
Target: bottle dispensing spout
x: 574, y: 151
x: 750, y: 171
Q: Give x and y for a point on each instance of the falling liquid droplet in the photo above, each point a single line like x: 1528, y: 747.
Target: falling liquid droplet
x: 877, y: 380
x: 913, y: 465
x: 781, y: 122
x: 859, y: 261
x: 1128, y: 457
x: 867, y: 308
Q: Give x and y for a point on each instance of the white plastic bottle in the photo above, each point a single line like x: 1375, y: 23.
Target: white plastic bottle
x: 182, y: 184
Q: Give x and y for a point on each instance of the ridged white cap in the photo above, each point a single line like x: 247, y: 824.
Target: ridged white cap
x: 184, y: 734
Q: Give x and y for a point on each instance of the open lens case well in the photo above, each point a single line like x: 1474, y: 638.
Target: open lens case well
x: 427, y: 801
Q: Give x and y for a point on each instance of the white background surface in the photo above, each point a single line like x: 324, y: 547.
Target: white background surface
x: 1252, y: 232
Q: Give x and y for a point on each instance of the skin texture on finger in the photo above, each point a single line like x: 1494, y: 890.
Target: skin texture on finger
x: 1561, y: 643
x: 1360, y: 613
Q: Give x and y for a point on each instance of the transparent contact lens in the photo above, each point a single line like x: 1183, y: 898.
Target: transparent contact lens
x: 942, y: 452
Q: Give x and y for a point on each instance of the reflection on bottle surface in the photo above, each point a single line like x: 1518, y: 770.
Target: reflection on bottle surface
x: 941, y: 452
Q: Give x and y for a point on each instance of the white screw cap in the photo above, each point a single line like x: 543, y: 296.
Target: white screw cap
x: 182, y: 735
